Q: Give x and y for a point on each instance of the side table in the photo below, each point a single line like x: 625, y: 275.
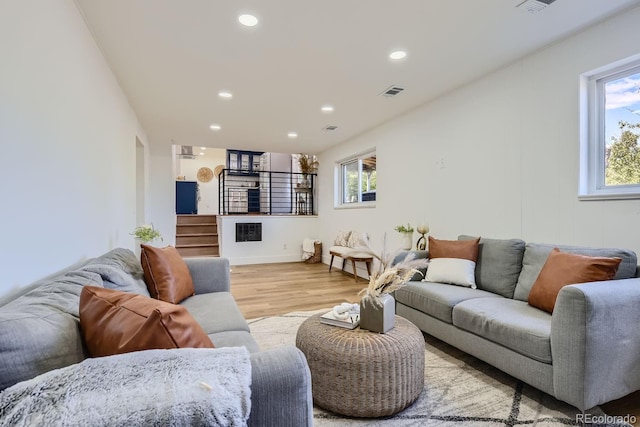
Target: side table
x: 360, y: 373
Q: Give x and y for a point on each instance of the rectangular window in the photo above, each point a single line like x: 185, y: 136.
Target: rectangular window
x: 610, y: 154
x: 357, y: 180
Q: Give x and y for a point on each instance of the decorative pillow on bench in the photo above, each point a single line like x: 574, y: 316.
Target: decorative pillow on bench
x: 342, y: 238
x: 453, y: 262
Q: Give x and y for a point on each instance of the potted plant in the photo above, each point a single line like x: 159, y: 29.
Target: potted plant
x: 308, y: 164
x: 146, y: 233
x: 406, y: 232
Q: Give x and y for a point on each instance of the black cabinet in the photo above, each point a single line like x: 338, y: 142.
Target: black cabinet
x: 243, y: 162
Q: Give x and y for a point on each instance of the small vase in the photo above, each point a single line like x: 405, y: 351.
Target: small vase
x: 378, y: 317
x: 406, y: 241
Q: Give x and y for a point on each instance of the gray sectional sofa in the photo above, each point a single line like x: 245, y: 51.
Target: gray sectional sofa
x: 39, y: 331
x: 586, y: 353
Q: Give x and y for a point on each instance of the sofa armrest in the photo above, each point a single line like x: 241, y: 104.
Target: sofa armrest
x: 209, y: 274
x: 590, y: 322
x: 280, y: 388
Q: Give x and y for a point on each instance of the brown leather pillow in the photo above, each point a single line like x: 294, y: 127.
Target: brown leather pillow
x: 562, y: 269
x: 166, y: 274
x: 116, y: 322
x: 461, y: 249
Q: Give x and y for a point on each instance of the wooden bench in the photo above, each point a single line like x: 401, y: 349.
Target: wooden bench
x: 354, y: 256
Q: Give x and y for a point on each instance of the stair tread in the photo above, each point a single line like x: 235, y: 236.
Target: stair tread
x: 196, y: 234
x: 197, y: 245
x: 196, y: 224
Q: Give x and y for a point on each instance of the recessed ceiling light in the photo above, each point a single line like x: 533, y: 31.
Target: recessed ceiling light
x: 214, y: 127
x: 201, y: 153
x: 327, y: 109
x: 203, y: 148
x: 398, y: 54
x: 292, y: 135
x: 248, y: 20
x: 225, y: 94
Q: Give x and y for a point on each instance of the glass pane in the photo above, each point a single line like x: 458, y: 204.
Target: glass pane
x: 621, y: 128
x: 350, y: 182
x: 369, y: 179
x: 244, y: 162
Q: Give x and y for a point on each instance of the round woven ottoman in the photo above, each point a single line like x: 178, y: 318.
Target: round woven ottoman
x: 360, y: 373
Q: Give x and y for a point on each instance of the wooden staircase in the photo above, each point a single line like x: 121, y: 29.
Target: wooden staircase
x: 197, y: 235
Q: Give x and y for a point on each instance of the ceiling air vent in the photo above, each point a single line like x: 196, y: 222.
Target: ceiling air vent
x: 533, y: 6
x: 392, y: 91
x: 186, y: 152
x: 330, y: 127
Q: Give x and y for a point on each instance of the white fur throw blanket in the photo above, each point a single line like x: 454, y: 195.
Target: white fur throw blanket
x: 180, y: 387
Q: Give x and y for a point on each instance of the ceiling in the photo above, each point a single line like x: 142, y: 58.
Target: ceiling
x: 173, y: 57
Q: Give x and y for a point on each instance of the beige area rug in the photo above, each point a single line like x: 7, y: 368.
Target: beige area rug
x: 460, y: 390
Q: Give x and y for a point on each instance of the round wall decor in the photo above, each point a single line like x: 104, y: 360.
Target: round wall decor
x: 218, y: 170
x: 205, y: 174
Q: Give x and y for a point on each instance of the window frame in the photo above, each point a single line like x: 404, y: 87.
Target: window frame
x: 593, y: 133
x: 340, y: 181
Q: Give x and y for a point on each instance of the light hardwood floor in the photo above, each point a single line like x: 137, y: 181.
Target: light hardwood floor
x: 272, y: 289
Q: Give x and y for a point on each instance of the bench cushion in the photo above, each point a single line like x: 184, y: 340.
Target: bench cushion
x: 345, y: 252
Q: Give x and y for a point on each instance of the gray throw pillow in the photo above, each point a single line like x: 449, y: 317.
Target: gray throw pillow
x: 499, y: 264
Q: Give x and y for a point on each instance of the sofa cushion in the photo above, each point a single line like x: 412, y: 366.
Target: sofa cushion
x: 562, y: 269
x: 499, y: 264
x: 120, y: 270
x: 235, y: 339
x: 115, y: 322
x: 437, y: 299
x: 511, y: 323
x: 216, y: 312
x: 39, y: 330
x: 535, y: 255
x: 166, y: 274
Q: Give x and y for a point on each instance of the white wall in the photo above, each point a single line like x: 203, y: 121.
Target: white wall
x: 510, y: 148
x: 68, y: 176
x: 282, y: 238
x: 213, y: 157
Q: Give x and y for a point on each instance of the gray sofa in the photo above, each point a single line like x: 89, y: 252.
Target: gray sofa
x: 39, y: 331
x: 586, y: 353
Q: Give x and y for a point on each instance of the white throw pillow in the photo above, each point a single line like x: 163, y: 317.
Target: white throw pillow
x: 342, y: 238
x: 453, y: 271
x: 354, y: 240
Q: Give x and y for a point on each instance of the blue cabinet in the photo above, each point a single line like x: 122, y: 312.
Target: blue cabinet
x: 186, y: 197
x: 243, y: 162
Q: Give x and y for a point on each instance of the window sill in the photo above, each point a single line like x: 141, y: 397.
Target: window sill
x: 608, y: 196
x: 365, y: 205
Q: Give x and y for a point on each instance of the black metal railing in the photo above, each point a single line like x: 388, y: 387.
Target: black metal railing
x: 266, y: 193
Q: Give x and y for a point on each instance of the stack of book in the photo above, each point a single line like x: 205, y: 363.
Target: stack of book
x: 350, y: 322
